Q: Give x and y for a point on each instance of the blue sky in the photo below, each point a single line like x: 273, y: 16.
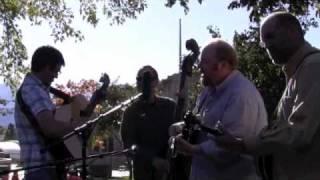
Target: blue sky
x: 150, y: 39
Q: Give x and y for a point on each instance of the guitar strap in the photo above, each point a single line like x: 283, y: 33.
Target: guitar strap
x: 59, y: 151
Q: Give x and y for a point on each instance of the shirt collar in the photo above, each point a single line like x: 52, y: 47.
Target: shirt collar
x: 296, y: 59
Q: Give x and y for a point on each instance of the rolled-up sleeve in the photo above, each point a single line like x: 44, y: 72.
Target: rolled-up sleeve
x: 37, y: 99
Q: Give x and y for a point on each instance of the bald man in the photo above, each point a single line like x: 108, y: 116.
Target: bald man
x: 232, y: 99
x: 293, y: 138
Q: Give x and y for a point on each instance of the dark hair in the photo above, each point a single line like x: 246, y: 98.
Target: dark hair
x: 149, y: 68
x: 46, y: 56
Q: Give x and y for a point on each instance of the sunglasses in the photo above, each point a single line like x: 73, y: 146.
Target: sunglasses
x: 139, y: 78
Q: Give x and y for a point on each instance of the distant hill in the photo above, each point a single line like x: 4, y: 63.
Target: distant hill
x: 5, y: 93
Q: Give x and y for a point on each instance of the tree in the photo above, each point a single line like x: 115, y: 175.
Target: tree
x: 254, y: 62
x: 59, y: 16
x: 257, y: 66
x: 4, y: 109
x: 84, y: 87
x: 183, y: 3
x: 116, y: 95
x: 306, y: 10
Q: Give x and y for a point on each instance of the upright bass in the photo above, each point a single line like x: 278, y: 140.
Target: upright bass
x: 180, y: 164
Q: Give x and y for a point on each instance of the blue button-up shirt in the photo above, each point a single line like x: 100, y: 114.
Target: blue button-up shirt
x: 238, y: 105
x: 36, y: 96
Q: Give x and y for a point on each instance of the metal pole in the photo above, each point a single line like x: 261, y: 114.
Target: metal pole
x: 180, y: 55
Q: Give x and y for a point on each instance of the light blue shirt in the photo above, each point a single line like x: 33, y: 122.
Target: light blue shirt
x: 238, y: 105
x: 36, y: 96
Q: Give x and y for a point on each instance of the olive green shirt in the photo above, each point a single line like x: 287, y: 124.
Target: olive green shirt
x: 294, y: 137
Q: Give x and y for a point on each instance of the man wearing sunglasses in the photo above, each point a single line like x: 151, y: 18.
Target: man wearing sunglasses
x: 230, y: 99
x: 145, y: 124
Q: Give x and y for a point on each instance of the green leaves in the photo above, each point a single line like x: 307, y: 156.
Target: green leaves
x: 257, y: 66
x: 183, y: 3
x: 59, y: 17
x: 306, y: 10
x: 254, y: 62
x: 12, y: 53
x: 214, y: 31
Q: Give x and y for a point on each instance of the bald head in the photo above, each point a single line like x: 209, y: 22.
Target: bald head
x: 218, y: 60
x: 220, y: 51
x: 281, y: 34
x: 284, y: 20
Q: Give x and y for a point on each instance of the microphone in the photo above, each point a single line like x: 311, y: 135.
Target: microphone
x: 132, y: 150
x: 146, y: 85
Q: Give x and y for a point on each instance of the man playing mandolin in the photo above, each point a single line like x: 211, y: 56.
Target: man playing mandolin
x: 35, y: 114
x: 228, y: 98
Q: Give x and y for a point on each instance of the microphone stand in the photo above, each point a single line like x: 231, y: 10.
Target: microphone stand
x: 81, y: 130
x: 131, y: 150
